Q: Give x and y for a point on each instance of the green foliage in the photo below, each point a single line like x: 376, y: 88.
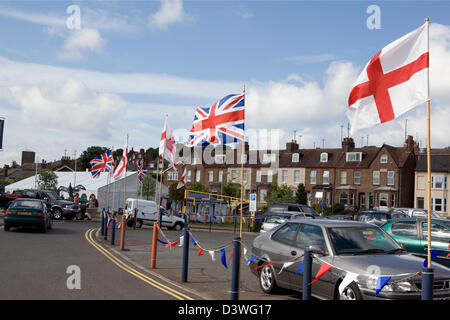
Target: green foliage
x: 87, y: 155
x: 300, y: 194
x: 153, y: 152
x: 231, y: 190
x: 117, y: 155
x: 47, y: 180
x: 174, y: 193
x: 279, y: 194
x: 197, y: 186
x: 338, y: 208
x: 148, y: 186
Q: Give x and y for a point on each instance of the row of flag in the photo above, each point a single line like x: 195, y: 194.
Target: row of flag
x: 393, y: 82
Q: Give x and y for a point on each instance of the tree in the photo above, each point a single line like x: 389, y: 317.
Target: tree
x: 300, y: 194
x: 148, y: 186
x: 87, y: 155
x: 176, y: 194
x: 197, y: 186
x: 153, y: 152
x: 14, y: 164
x: 279, y: 194
x: 47, y: 180
x: 231, y: 189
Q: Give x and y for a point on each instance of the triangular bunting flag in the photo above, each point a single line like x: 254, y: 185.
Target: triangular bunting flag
x: 302, y: 266
x: 381, y: 282
x: 223, y: 258
x: 200, y: 252
x: 323, y: 269
x: 211, y: 253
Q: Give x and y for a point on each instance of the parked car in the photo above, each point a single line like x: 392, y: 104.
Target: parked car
x: 6, y: 199
x: 340, y: 217
x: 348, y: 246
x: 378, y: 217
x: 273, y: 219
x: 28, y: 212
x: 416, y: 212
x: 59, y: 207
x: 413, y: 233
x: 148, y: 213
x: 291, y: 207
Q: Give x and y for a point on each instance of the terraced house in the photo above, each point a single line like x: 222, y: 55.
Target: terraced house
x: 366, y: 177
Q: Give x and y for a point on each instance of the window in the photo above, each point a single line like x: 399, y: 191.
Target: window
x: 439, y: 204
x: 406, y: 229
x: 392, y: 200
x: 313, y: 177
x: 439, y: 182
x: 172, y: 175
x: 383, y: 199
x: 438, y: 232
x: 258, y: 176
x: 233, y: 175
x: 383, y: 158
x: 210, y: 176
x: 221, y: 176
x: 326, y: 177
x: 296, y: 176
x: 220, y: 158
x: 324, y: 157
x: 357, y: 177
x: 284, y: 176
x: 245, y: 175
x: 286, y: 234
x: 188, y: 175
x: 420, y: 202
x: 343, y: 177
x: 194, y: 161
x: 310, y: 235
x: 390, y: 178
x: 269, y: 176
x: 353, y: 156
x: 376, y: 178
x: 268, y: 157
x: 343, y: 197
x: 295, y: 157
x: 352, y: 198
x: 262, y: 194
x: 197, y: 176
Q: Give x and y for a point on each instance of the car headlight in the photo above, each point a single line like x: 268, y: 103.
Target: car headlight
x: 404, y: 286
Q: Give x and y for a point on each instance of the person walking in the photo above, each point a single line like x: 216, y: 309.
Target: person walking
x: 76, y: 200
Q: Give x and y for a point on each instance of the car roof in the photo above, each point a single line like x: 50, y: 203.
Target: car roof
x: 374, y: 211
x: 419, y: 219
x: 334, y: 223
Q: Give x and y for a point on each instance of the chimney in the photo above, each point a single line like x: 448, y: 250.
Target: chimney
x: 348, y: 144
x: 410, y: 143
x: 5, y: 170
x: 292, y: 146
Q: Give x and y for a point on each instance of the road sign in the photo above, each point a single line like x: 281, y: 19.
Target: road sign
x: 252, y: 207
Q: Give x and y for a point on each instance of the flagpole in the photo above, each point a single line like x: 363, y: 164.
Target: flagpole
x: 242, y: 175
x: 428, y: 151
x: 123, y: 224
x: 160, y: 191
x: 108, y: 181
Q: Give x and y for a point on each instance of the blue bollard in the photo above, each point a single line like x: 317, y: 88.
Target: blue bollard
x: 106, y: 229
x: 113, y: 232
x: 235, y: 268
x: 103, y: 222
x: 307, y: 275
x: 184, y: 272
x: 427, y: 283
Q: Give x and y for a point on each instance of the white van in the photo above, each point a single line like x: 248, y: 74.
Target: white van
x: 148, y: 213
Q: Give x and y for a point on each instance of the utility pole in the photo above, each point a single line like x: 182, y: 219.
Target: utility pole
x: 323, y: 143
x: 75, y: 172
x: 342, y: 133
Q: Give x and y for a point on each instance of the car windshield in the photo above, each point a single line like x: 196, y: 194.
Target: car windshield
x: 373, y: 217
x: 361, y: 240
x: 53, y: 195
x: 309, y: 210
x: 277, y: 218
x: 26, y: 204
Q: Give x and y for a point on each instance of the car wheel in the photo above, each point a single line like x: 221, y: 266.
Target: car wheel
x: 351, y: 292
x: 57, y: 214
x: 178, y: 226
x: 267, y: 279
x: 139, y: 223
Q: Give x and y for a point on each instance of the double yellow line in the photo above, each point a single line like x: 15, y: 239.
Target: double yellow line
x: 174, y: 293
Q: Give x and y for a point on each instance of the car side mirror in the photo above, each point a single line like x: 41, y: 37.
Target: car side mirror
x: 317, y: 250
x: 45, y: 199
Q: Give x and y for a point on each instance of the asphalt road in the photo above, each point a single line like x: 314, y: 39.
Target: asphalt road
x: 34, y: 265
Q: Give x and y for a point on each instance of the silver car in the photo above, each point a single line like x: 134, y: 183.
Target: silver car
x: 348, y: 246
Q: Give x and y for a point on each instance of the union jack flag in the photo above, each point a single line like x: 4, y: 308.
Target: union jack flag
x: 110, y: 220
x: 141, y: 171
x: 102, y: 163
x: 222, y: 123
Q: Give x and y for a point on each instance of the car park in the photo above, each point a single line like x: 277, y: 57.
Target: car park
x: 28, y: 213
x: 273, y: 219
x: 348, y: 247
x: 291, y: 207
x: 147, y: 213
x: 416, y: 212
x: 378, y: 217
x: 413, y: 234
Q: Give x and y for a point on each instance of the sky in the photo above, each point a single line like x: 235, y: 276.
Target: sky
x: 74, y: 74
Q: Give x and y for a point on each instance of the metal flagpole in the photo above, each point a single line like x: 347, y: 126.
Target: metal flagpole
x: 108, y: 181
x: 242, y: 176
x: 123, y: 225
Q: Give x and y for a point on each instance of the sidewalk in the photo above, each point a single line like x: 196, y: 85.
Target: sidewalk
x: 208, y: 278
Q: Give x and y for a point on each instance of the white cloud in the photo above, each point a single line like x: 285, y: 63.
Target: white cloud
x: 79, y: 42
x: 170, y: 12
x: 325, y: 57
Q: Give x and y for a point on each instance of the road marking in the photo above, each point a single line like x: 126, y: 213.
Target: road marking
x: 174, y: 293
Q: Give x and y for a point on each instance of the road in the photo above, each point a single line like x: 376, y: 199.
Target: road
x: 40, y: 266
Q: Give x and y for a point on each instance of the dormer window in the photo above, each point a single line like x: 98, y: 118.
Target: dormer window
x: 383, y: 158
x: 324, y: 157
x: 269, y: 157
x: 353, y: 156
x: 295, y: 157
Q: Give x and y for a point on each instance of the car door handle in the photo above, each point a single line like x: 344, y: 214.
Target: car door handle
x: 293, y: 253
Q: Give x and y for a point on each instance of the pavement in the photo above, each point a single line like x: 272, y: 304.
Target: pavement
x: 207, y: 278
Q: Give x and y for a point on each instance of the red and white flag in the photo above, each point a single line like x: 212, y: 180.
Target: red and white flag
x: 121, y: 169
x: 167, y: 147
x: 392, y: 83
x: 182, y: 181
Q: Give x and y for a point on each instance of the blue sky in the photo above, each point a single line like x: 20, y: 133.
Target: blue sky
x: 270, y: 46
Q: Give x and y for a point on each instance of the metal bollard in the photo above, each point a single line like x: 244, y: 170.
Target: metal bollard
x: 135, y: 218
x: 106, y: 229
x: 427, y: 283
x: 184, y: 272
x: 103, y: 222
x: 307, y: 272
x: 113, y: 232
x: 235, y: 268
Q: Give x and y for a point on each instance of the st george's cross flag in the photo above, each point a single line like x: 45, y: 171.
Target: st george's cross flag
x: 182, y: 181
x: 121, y: 169
x: 393, y: 82
x: 222, y: 123
x: 167, y: 148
